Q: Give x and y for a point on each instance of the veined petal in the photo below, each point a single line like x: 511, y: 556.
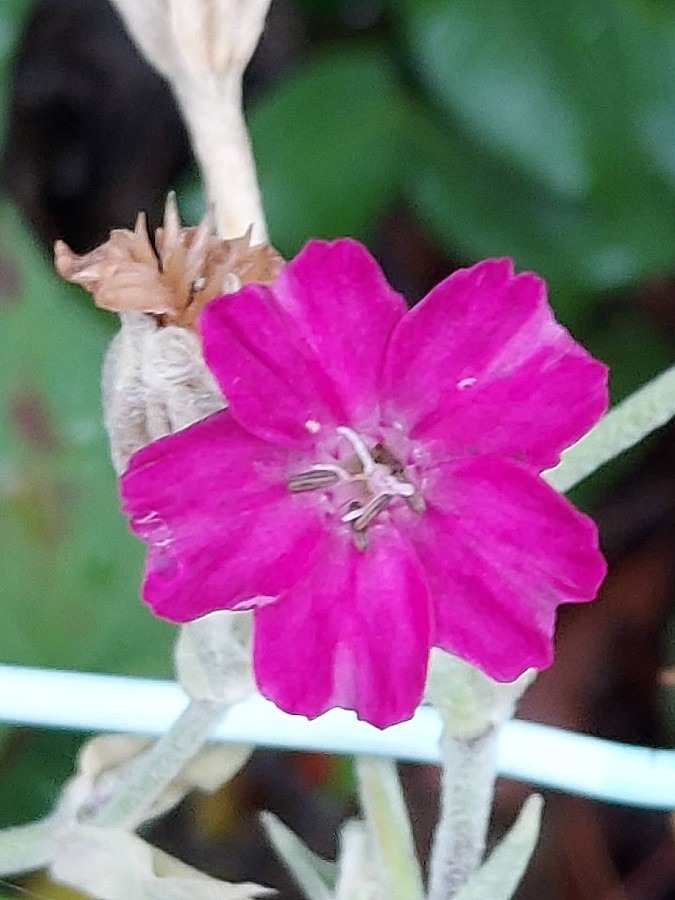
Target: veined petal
x: 501, y: 550
x: 354, y: 633
x: 222, y: 528
x: 307, y: 351
x: 481, y: 366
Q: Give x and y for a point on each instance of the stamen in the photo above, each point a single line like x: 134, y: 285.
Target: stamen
x: 361, y: 518
x: 416, y: 503
x: 353, y: 513
x: 360, y: 448
x: 380, y: 472
x: 402, y: 488
x: 313, y: 479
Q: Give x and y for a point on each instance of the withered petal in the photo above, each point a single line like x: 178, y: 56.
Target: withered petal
x: 189, y: 267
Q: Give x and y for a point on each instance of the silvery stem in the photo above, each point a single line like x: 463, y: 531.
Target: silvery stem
x: 26, y: 848
x: 153, y: 771
x: 467, y: 786
x: 213, y: 114
x: 627, y: 424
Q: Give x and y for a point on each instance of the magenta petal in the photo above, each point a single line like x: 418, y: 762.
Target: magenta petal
x: 307, y: 350
x: 501, y: 549
x: 481, y: 366
x: 223, y: 530
x: 353, y: 633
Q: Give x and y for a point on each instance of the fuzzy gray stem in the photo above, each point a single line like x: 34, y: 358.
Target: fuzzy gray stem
x: 623, y: 427
x: 467, y: 787
x: 214, y: 117
x: 153, y: 772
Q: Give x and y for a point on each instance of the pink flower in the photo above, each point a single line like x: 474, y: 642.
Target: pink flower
x: 374, y: 487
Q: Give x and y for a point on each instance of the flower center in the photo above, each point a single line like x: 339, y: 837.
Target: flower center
x: 371, y: 479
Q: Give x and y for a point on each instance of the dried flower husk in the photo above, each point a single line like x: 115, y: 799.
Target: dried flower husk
x: 154, y: 377
x: 187, y: 267
x: 111, y: 864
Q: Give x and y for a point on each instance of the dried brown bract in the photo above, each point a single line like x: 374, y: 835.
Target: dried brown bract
x: 173, y: 280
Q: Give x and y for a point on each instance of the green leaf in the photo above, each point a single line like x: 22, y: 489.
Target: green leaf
x: 477, y: 206
x: 553, y: 89
x: 634, y: 348
x: 71, y: 571
x: 328, y: 149
x: 555, y: 143
x: 635, y: 351
x: 34, y: 769
x: 487, y: 61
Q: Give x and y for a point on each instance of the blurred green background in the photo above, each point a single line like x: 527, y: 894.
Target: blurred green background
x: 437, y: 131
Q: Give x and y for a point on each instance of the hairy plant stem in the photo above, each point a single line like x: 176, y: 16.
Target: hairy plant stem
x: 469, y: 762
x: 468, y: 777
x: 152, y: 772
x: 26, y: 848
x: 627, y: 424
x: 214, y: 117
x: 203, y: 57
x: 386, y: 814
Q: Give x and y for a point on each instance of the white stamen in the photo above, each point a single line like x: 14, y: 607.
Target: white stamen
x: 360, y: 448
x: 362, y: 516
x: 316, y: 477
x: 312, y: 479
x: 400, y: 488
x: 381, y: 476
x: 352, y: 514
x: 331, y: 467
x: 312, y: 426
x: 377, y: 475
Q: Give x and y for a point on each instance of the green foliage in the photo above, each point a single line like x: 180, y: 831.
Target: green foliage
x: 33, y: 774
x: 70, y: 569
x: 328, y: 147
x: 552, y: 137
x: 545, y: 135
x: 315, y: 877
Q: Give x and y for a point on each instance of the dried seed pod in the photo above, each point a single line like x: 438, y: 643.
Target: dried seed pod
x: 154, y: 382
x: 154, y: 377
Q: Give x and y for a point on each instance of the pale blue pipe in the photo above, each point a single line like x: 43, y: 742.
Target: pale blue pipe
x: 538, y: 754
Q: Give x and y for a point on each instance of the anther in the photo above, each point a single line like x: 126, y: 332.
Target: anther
x: 361, y: 518
x: 416, y: 502
x: 312, y: 480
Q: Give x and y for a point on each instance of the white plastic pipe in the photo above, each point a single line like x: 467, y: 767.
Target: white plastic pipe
x: 538, y: 754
